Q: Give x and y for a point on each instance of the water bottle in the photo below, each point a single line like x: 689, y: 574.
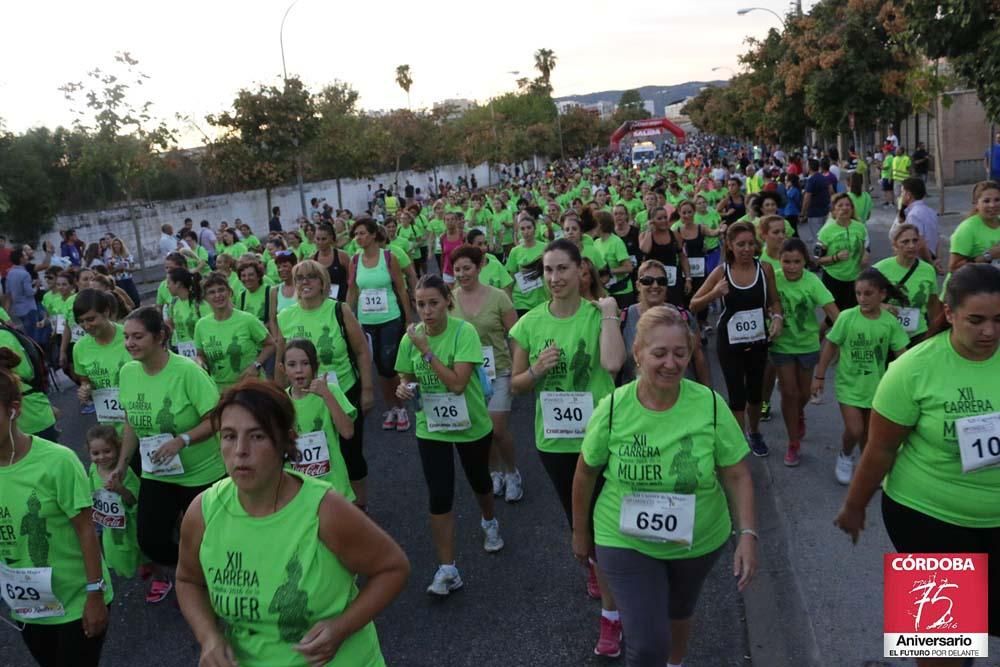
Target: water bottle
x: 417, y: 404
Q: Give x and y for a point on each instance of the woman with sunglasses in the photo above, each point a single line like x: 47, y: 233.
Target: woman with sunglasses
x: 652, y: 285
x: 664, y: 245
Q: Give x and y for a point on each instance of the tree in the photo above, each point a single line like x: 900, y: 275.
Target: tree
x: 581, y: 131
x: 964, y: 33
x: 271, y: 124
x: 404, y: 81
x: 630, y: 107
x: 123, y: 136
x: 338, y: 150
x: 545, y: 62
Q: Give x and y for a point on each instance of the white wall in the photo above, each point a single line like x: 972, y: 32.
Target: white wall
x: 250, y: 206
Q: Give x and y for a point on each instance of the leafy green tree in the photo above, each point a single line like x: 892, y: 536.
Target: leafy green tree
x: 404, y: 80
x: 630, y: 107
x: 581, y: 131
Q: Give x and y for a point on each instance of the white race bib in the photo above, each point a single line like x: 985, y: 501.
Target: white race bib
x: 671, y: 275
x: 59, y: 322
x: 331, y: 377
x: 978, y: 441
x: 109, y: 510
x: 525, y: 284
x: 489, y: 362
x: 76, y: 333
x: 334, y: 291
x: 314, y: 454
x: 28, y: 591
x: 187, y: 349
x: 565, y: 413
x: 658, y: 517
x: 108, y: 405
x: 446, y: 412
x: 746, y: 326
x: 150, y: 444
x: 374, y: 300
x: 910, y: 319
x: 697, y: 265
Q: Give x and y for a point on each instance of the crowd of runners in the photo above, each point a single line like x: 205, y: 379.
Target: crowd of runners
x: 228, y: 460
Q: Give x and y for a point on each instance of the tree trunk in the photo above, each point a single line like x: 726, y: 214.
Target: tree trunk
x: 135, y: 230
x: 267, y: 195
x: 340, y: 199
x: 938, y: 160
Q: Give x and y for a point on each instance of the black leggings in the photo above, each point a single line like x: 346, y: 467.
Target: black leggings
x: 63, y: 644
x: 561, y: 468
x: 915, y: 532
x: 385, y: 339
x: 439, y: 469
x: 160, y: 505
x: 842, y: 291
x: 743, y: 369
x: 352, y: 449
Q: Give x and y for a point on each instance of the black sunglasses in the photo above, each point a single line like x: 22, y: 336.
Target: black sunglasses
x: 649, y: 280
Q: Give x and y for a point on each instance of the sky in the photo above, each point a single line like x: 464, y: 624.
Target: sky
x: 199, y: 54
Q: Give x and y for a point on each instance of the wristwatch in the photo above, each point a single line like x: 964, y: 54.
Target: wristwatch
x: 186, y: 438
x: 257, y: 365
x: 97, y: 586
x: 427, y: 356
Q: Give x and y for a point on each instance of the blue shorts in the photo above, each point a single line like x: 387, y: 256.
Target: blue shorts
x: 807, y: 360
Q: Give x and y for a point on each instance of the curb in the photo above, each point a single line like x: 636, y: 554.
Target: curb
x: 779, y: 629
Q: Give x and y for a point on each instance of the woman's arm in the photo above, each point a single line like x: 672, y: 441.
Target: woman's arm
x: 95, y: 612
x: 399, y: 286
x: 192, y: 592
x: 877, y: 459
x: 129, y: 444
x: 739, y: 487
x: 364, y: 549
x: 612, y: 345
x: 831, y: 311
x: 343, y: 423
x: 829, y: 352
x: 713, y: 288
x: 359, y: 344
x: 646, y: 242
x: 584, y: 481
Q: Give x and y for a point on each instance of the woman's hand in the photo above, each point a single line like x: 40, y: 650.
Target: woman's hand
x: 851, y: 520
x: 83, y: 392
x: 842, y: 256
x: 721, y: 289
x: 167, y: 451
x: 777, y: 326
x: 687, y: 285
x: 546, y: 360
x: 418, y: 338
x: 817, y: 386
x: 583, y: 546
x: 95, y: 615
x: 217, y: 654
x: 321, y: 643
x: 608, y: 306
x: 745, y: 561
x: 403, y: 392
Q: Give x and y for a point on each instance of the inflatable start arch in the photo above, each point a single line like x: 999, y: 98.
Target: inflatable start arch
x: 630, y: 126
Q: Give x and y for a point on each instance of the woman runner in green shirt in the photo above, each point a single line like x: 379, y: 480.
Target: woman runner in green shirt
x: 185, y: 310
x: 526, y: 293
x: 58, y: 588
x: 439, y: 359
x: 661, y: 520
x: 99, y: 356
x: 302, y: 545
x: 916, y: 279
x: 977, y: 238
x: 934, y: 428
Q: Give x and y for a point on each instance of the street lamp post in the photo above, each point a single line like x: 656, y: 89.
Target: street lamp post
x: 747, y: 10
x: 732, y: 72
x: 284, y: 73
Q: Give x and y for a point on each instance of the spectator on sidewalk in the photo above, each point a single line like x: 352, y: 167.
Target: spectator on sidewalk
x: 274, y: 224
x: 168, y: 243
x: 70, y: 247
x: 22, y: 294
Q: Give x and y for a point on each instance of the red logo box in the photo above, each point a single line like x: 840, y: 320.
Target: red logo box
x: 935, y: 605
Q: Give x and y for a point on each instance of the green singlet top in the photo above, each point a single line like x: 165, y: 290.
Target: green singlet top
x: 271, y: 579
x: 377, y: 302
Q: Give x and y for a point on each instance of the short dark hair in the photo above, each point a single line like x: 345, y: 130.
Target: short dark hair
x: 469, y: 252
x: 276, y: 210
x: 916, y: 187
x: 16, y: 255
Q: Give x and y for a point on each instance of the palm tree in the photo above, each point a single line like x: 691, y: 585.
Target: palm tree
x: 404, y: 80
x: 545, y: 62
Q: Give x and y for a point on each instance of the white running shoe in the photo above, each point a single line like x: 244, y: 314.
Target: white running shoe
x: 446, y: 580
x: 491, y: 529
x: 515, y: 488
x: 498, y: 483
x: 844, y: 469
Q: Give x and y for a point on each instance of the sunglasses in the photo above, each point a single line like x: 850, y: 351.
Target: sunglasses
x: 649, y: 280
x: 301, y: 278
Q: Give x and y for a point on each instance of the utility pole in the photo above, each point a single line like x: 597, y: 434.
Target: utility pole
x: 284, y: 73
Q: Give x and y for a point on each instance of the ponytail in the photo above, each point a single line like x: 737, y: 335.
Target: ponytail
x: 880, y: 282
x: 10, y: 384
x: 188, y: 280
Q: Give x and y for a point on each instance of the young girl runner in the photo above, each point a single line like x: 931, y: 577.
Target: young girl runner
x: 862, y: 336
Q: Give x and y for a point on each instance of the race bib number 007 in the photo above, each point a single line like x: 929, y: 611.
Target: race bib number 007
x: 314, y: 454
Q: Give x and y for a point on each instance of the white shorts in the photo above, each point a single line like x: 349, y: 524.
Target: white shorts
x: 501, y: 399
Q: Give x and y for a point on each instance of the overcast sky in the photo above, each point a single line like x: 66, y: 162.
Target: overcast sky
x: 199, y: 53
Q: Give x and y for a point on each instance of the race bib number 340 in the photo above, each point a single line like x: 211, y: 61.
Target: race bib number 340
x: 565, y: 413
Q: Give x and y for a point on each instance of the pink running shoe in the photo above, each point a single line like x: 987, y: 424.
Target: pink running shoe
x: 610, y: 643
x: 158, y: 591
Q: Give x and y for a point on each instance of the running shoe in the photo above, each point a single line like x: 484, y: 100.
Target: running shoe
x: 802, y: 425
x: 389, y: 420
x: 609, y: 644
x: 446, y: 580
x: 87, y: 408
x: 765, y: 411
x: 792, y: 457
x: 498, y: 479
x: 402, y: 420
x: 593, y: 589
x: 158, y: 591
x: 514, y: 486
x: 844, y: 469
x: 757, y: 444
x: 492, y: 543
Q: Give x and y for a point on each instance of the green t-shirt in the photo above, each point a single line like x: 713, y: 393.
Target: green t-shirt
x: 633, y: 205
x: 503, y: 226
x: 853, y: 238
x: 641, y: 456
x: 36, y: 411
x: 307, y: 250
x: 457, y: 343
x: 172, y: 402
x: 39, y: 495
x: 887, y: 168
x: 120, y: 543
x: 799, y: 301
x: 412, y: 240
x: 271, y: 579
x: 489, y: 325
x: 710, y: 219
x: 494, y: 274
x: 252, y: 242
x: 312, y: 416
x: 230, y: 346
x: 236, y: 250
x: 864, y: 347
x: 862, y: 205
x: 614, y: 252
x: 163, y: 295
x: 928, y: 388
x: 919, y: 287
x: 184, y: 315
x: 254, y: 302
x: 579, y: 368
x: 101, y: 363
x: 319, y: 325
x: 520, y: 256
x: 973, y: 237
x: 900, y: 168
